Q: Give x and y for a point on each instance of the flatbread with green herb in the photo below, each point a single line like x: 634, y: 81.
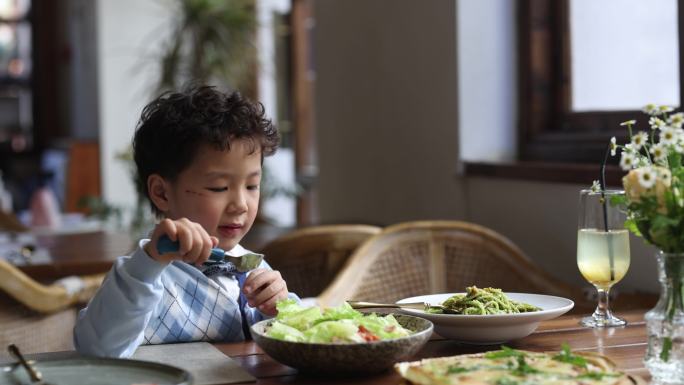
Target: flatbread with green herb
x: 515, y: 367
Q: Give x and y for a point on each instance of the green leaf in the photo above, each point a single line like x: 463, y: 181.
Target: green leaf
x: 618, y: 200
x: 631, y: 225
x: 566, y: 355
x: 455, y: 369
x: 504, y: 352
x: 523, y: 368
x: 597, y: 375
x: 506, y: 381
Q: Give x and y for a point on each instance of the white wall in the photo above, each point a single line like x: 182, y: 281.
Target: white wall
x: 386, y: 110
x: 129, y: 33
x: 541, y: 218
x: 390, y: 136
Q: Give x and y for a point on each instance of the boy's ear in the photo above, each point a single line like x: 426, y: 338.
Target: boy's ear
x: 158, y: 190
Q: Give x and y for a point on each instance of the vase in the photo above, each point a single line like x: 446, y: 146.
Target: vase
x: 665, y: 323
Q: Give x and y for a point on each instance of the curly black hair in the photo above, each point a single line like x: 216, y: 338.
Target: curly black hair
x: 174, y: 125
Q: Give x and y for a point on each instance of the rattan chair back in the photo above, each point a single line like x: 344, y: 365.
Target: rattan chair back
x: 32, y: 331
x: 309, y: 258
x: 427, y: 257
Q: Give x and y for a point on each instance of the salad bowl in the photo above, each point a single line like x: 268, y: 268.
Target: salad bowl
x: 346, y: 358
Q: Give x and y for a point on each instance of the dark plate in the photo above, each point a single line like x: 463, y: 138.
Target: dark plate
x: 97, y: 371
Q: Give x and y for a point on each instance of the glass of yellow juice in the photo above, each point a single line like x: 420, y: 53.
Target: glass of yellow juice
x: 602, y: 250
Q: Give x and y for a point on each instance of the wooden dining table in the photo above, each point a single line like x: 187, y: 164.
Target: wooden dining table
x: 625, y: 346
x: 95, y: 252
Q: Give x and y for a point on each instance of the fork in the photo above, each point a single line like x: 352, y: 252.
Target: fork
x: 35, y: 376
x: 373, y: 305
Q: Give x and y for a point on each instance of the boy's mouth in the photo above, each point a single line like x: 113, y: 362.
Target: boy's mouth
x: 229, y: 230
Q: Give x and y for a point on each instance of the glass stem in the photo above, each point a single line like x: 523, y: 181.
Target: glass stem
x: 602, y: 310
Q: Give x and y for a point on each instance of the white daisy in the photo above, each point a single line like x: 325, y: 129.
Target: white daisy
x: 646, y: 177
x: 638, y: 140
x: 641, y: 161
x: 678, y: 196
x: 679, y: 133
x: 651, y: 109
x: 595, y: 186
x: 613, y: 146
x: 656, y: 123
x: 627, y: 160
x: 676, y: 120
x: 665, y: 109
x: 629, y: 148
x: 659, y: 152
x: 679, y: 148
x: 669, y: 135
x: 628, y: 123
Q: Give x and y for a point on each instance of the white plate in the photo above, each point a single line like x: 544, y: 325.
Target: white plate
x: 491, y: 328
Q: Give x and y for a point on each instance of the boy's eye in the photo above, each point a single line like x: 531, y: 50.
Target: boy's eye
x: 217, y: 189
x: 253, y: 187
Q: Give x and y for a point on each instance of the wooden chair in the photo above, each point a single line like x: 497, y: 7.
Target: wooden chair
x: 47, y: 299
x: 32, y: 331
x: 427, y: 257
x: 37, y: 317
x: 309, y: 258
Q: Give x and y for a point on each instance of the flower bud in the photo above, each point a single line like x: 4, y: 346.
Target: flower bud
x: 635, y: 189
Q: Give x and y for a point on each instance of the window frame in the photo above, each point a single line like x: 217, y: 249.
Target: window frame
x: 548, y: 130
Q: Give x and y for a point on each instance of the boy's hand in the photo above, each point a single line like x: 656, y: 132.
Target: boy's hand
x: 194, y: 242
x: 263, y: 288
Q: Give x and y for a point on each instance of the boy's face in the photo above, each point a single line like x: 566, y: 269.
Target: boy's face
x: 220, y: 191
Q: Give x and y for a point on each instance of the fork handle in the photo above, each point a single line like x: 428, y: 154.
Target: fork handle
x: 166, y: 245
x: 374, y: 305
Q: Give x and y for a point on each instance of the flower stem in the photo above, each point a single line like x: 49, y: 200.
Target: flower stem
x: 605, y: 212
x: 674, y: 274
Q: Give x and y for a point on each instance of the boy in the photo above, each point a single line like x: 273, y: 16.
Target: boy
x: 198, y: 155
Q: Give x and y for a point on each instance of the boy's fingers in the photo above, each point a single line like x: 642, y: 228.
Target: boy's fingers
x: 164, y: 227
x: 269, y: 306
x: 196, y: 246
x: 207, y: 244
x: 184, y: 235
x: 256, y: 279
x: 269, y: 291
x: 169, y: 228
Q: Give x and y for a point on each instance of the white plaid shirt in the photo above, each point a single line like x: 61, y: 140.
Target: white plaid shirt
x: 144, y: 302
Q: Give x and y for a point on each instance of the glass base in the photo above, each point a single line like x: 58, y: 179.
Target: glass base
x: 594, y: 321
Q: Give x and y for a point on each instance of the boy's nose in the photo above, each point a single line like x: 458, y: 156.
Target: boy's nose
x: 238, y: 203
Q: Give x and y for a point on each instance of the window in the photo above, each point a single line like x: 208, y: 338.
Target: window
x: 586, y: 66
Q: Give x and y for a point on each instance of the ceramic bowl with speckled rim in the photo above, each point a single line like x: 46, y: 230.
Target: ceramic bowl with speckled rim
x: 347, y: 358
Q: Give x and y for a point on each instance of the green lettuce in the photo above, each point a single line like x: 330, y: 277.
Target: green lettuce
x: 337, y: 324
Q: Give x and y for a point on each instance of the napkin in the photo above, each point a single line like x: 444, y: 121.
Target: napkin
x: 207, y: 364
